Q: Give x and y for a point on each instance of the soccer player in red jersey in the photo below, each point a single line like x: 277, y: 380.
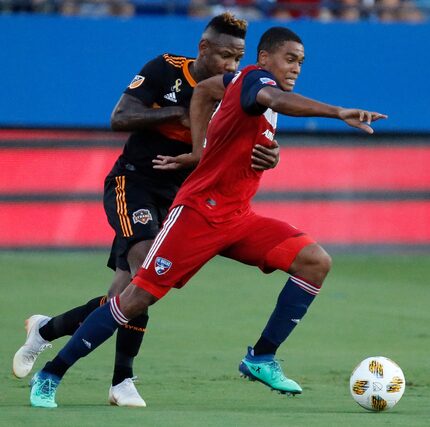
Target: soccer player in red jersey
x: 154, y: 108
x: 215, y: 198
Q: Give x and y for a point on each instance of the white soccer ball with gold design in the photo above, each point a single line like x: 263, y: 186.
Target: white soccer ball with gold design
x: 377, y: 383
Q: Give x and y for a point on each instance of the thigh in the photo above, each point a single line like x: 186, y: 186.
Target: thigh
x: 185, y: 243
x: 133, y: 213
x: 268, y: 243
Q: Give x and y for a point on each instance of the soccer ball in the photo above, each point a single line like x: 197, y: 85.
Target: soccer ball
x: 377, y: 383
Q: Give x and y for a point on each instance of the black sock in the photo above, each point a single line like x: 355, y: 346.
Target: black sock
x: 128, y: 341
x: 264, y: 346
x: 57, y: 367
x: 67, y: 323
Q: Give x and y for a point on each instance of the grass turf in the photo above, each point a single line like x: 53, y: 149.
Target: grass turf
x: 370, y: 305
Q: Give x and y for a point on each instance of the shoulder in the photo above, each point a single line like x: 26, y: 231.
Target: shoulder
x: 260, y: 76
x: 176, y: 61
x: 254, y: 75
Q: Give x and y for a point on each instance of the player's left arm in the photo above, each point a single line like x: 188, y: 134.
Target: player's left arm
x: 205, y: 96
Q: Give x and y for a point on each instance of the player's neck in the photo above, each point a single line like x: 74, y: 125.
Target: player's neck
x: 198, y: 71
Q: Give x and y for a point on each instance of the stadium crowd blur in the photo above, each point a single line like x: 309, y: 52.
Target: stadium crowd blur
x: 322, y: 10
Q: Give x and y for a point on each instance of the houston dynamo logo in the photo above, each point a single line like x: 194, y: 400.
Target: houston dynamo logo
x: 142, y: 216
x: 162, y: 265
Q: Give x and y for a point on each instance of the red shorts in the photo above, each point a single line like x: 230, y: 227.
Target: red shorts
x: 187, y: 241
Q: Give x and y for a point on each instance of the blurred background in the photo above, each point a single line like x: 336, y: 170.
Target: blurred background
x: 65, y: 63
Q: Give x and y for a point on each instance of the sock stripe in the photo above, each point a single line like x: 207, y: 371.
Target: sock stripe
x: 171, y: 219
x: 307, y: 287
x: 116, y: 312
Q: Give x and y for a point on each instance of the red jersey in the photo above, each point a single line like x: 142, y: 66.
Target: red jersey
x: 224, y: 183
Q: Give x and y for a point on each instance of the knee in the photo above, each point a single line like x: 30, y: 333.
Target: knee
x: 135, y: 301
x: 324, y: 262
x: 312, y: 263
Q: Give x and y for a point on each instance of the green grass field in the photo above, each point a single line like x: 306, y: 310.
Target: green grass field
x: 370, y: 305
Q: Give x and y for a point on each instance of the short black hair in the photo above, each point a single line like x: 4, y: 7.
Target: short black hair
x: 227, y: 23
x: 274, y: 37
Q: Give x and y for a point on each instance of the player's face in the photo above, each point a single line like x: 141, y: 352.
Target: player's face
x: 222, y: 54
x: 285, y: 63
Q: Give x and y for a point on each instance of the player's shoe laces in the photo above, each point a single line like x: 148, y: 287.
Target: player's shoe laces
x: 25, y: 357
x: 268, y: 371
x: 43, y: 388
x: 126, y: 394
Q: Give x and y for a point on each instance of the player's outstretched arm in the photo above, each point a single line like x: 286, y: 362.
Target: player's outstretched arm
x: 130, y: 114
x: 293, y: 104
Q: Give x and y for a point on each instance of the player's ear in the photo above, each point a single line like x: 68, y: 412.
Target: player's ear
x: 203, y: 47
x: 263, y: 57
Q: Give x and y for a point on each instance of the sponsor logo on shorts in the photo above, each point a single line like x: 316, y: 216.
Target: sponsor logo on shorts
x: 162, y: 265
x: 267, y: 81
x: 142, y: 216
x: 136, y: 82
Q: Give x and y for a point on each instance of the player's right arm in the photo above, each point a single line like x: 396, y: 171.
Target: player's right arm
x: 205, y: 96
x: 135, y: 109
x: 131, y: 114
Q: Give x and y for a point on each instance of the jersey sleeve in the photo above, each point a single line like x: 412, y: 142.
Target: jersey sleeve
x: 227, y: 78
x: 147, y: 85
x: 253, y: 82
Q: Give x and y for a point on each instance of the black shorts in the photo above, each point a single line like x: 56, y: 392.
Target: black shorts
x: 134, y: 210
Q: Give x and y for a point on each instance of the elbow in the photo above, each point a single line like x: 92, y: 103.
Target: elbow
x: 117, y: 123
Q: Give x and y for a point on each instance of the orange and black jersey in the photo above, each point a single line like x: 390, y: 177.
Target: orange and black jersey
x: 163, y: 82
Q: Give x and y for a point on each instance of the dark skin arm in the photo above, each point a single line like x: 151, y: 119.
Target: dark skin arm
x: 130, y: 114
x: 292, y: 104
x: 203, y: 102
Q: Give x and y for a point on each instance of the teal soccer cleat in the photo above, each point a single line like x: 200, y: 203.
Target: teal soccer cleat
x: 268, y: 371
x: 43, y: 388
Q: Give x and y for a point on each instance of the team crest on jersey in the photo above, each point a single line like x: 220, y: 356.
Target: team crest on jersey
x: 162, y: 265
x: 136, y: 82
x: 267, y: 81
x: 142, y: 216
